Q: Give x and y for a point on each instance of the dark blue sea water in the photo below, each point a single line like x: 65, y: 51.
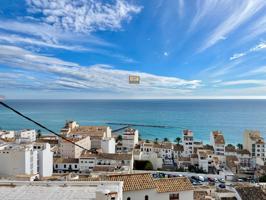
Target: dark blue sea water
x: 201, y: 116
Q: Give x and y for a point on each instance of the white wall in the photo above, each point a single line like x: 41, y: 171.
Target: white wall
x: 16, y: 162
x: 153, y: 195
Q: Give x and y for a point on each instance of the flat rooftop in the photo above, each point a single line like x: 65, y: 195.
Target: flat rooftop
x: 55, y: 190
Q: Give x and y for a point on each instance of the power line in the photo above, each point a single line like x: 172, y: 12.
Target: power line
x: 40, y: 125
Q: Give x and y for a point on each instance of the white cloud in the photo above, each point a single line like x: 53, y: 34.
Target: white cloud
x: 16, y: 39
x: 242, y: 12
x: 258, y: 47
x: 237, y: 55
x: 244, y: 82
x: 165, y: 54
x: 84, y: 15
x: 97, y: 77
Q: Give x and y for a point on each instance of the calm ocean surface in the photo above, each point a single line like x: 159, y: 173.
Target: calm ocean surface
x: 201, y: 116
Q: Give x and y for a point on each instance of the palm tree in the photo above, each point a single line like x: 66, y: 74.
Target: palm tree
x: 239, y: 146
x: 166, y: 139
x: 177, y: 140
x: 156, y: 140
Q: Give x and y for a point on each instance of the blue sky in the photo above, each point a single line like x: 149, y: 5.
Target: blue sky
x: 88, y: 48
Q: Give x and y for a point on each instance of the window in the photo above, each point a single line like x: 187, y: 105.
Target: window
x: 128, y: 198
x: 64, y: 166
x: 174, y: 196
x: 146, y: 197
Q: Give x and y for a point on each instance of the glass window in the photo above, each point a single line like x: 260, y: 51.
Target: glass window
x: 174, y: 196
x: 146, y: 197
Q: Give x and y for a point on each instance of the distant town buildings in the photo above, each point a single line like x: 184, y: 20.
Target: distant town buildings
x: 69, y: 150
x: 218, y: 142
x: 187, y: 140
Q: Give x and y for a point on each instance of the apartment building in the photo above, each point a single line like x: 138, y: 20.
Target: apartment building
x: 69, y: 150
x: 188, y: 141
x: 108, y: 145
x: 105, y: 162
x: 25, y: 136
x: 44, y: 159
x: 96, y: 133
x: 218, y: 143
x: 17, y: 159
x: 62, y: 165
x: 254, y: 143
x: 130, y: 138
x: 7, y: 134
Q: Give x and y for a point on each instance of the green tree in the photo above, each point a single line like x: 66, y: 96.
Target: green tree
x: 39, y: 133
x: 239, y: 146
x: 166, y: 139
x: 156, y: 140
x: 230, y: 145
x: 262, y: 178
x: 119, y: 138
x: 148, y: 166
x: 177, y: 140
x: 147, y: 141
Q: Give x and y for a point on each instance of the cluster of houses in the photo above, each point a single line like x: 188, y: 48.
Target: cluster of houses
x: 102, y: 151
x: 28, y: 155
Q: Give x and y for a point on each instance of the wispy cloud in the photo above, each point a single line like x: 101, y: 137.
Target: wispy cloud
x: 244, y: 82
x: 241, y: 12
x: 258, y: 47
x: 84, y: 15
x: 96, y: 77
x: 20, y: 40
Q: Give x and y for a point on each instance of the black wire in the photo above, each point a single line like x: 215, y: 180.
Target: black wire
x: 40, y: 125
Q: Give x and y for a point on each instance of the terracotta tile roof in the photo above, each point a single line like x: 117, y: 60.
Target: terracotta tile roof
x: 173, y: 184
x: 102, y: 168
x: 184, y: 159
x: 200, y: 195
x: 163, y: 145
x: 218, y: 137
x: 230, y: 149
x: 134, y: 182
x: 66, y: 160
x: 194, y: 155
x: 231, y: 161
x: 92, y: 131
x: 243, y: 151
x: 178, y: 147
x: 250, y: 193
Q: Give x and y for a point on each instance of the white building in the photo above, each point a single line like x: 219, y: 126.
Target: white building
x: 26, y: 136
x: 144, y: 187
x: 62, y: 165
x: 218, y: 142
x: 18, y: 160
x: 69, y: 150
x: 187, y: 140
x: 255, y: 144
x: 7, y: 134
x: 61, y: 190
x: 45, y: 159
x: 96, y: 133
x: 130, y: 138
x: 108, y: 145
x: 105, y: 162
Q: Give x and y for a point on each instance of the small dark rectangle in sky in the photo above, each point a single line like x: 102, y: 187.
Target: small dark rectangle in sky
x: 132, y: 79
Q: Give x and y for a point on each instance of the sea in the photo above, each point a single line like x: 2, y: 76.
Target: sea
x: 232, y: 117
